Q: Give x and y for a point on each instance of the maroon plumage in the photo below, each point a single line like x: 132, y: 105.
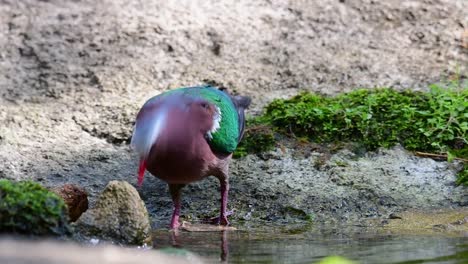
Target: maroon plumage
x: 172, y: 135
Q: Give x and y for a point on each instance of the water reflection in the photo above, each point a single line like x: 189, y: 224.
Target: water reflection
x: 178, y: 240
x: 309, y: 247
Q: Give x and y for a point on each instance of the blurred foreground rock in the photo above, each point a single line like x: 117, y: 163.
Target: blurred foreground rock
x: 51, y: 252
x: 75, y: 198
x: 119, y: 214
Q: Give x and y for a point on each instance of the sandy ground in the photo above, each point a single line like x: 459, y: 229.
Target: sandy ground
x: 74, y: 73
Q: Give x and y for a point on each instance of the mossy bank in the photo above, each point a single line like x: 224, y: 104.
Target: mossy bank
x: 434, y: 122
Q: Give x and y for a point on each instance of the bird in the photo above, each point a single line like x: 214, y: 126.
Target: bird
x: 187, y: 134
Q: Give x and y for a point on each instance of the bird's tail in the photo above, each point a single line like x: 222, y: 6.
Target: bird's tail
x: 241, y: 103
x: 148, y: 126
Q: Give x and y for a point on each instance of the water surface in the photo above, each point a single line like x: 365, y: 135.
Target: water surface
x: 273, y: 246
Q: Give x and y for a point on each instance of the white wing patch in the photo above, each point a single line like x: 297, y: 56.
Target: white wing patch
x: 146, y: 132
x: 216, y: 123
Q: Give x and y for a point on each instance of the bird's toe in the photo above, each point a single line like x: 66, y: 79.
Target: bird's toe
x: 221, y: 220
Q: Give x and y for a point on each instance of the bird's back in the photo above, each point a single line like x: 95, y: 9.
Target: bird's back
x: 227, y: 135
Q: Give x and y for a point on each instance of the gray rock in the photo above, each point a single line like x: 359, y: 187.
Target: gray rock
x: 119, y: 214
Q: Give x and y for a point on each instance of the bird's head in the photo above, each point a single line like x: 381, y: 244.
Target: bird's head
x: 204, y: 115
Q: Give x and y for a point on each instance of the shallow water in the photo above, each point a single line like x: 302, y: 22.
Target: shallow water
x: 312, y: 246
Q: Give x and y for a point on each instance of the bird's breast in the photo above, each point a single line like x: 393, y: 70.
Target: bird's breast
x: 181, y: 160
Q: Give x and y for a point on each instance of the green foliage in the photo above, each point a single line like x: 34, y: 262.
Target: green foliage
x: 463, y: 176
x: 28, y: 208
x: 257, y: 138
x: 435, y: 121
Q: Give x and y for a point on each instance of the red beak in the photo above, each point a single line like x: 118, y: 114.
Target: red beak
x: 141, y: 171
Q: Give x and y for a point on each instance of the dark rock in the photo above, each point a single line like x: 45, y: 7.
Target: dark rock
x: 75, y: 198
x: 394, y: 216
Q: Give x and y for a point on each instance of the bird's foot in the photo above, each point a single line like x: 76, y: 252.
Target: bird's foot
x: 175, y: 222
x: 175, y: 225
x: 221, y: 220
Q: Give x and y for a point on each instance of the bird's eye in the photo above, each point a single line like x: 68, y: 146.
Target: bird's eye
x: 204, y: 105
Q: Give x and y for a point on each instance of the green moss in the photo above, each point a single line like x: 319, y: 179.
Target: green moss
x: 377, y: 118
x: 28, y: 208
x: 434, y: 121
x: 463, y: 176
x: 298, y: 213
x: 257, y: 138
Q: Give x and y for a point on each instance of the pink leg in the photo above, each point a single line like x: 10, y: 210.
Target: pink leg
x: 175, y: 189
x: 224, y: 200
x: 222, y: 219
x: 224, y: 246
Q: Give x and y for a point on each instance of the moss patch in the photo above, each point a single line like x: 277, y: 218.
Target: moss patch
x: 258, y: 138
x: 434, y: 121
x: 463, y: 176
x: 28, y: 208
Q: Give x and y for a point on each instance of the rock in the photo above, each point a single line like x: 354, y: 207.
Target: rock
x: 119, y: 214
x: 45, y: 252
x: 394, y: 216
x: 75, y: 198
x: 372, y: 185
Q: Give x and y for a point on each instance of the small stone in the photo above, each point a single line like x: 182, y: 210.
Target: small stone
x: 394, y: 216
x: 75, y: 198
x: 94, y: 241
x: 119, y: 215
x: 440, y: 227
